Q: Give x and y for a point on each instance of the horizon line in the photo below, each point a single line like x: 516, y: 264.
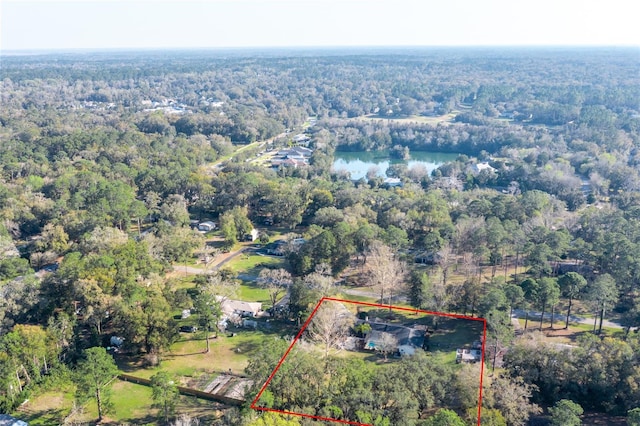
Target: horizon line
x: 36, y: 50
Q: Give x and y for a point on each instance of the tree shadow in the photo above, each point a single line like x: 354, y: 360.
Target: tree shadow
x: 52, y: 416
x: 129, y: 363
x: 247, y: 347
x: 147, y: 419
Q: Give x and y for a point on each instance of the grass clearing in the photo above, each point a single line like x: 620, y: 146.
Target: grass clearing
x: 417, y: 119
x: 252, y: 263
x: 187, y: 358
x: 48, y: 408
x: 251, y: 292
x: 132, y: 403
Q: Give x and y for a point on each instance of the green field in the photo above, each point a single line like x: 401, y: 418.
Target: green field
x: 447, y: 118
x: 187, y: 358
x: 252, y: 263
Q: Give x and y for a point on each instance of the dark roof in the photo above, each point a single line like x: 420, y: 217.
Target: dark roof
x: 405, y: 335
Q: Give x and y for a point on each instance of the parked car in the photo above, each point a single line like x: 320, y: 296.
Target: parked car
x: 188, y: 329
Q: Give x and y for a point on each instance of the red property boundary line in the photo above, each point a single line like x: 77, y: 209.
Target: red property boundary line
x: 374, y: 305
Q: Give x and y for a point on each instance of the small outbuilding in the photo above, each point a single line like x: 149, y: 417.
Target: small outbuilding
x: 206, y: 226
x: 252, y: 236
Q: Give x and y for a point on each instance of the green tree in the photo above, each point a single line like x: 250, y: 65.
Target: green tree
x: 548, y: 294
x: 212, y: 292
x: 489, y: 417
x: 229, y: 230
x: 571, y: 284
x: 512, y: 396
x: 94, y: 375
x: 209, y: 313
x: 242, y: 222
x: 419, y: 286
x: 633, y: 417
x: 54, y: 238
x: 514, y: 295
x: 603, y: 293
x: 147, y: 324
x: 164, y: 392
x: 174, y: 209
x: 444, y: 418
x: 566, y: 413
x: 273, y: 419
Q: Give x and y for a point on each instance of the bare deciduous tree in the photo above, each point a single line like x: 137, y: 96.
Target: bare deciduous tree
x: 388, y: 344
x: 275, y: 281
x: 330, y: 326
x: 385, y: 272
x: 446, y: 259
x: 320, y: 280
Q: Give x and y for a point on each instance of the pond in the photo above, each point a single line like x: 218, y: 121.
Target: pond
x: 360, y: 162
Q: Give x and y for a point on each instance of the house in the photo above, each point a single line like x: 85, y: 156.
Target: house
x: 296, y: 156
x: 392, y: 182
x: 252, y: 235
x: 7, y: 420
x: 296, y: 151
x: 277, y: 248
x: 428, y: 258
x: 479, y: 167
x: 405, y: 340
x: 301, y: 139
x: 240, y: 308
x: 206, y: 226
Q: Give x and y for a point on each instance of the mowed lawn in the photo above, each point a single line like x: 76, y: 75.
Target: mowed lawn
x: 248, y: 267
x: 250, y: 291
x: 131, y: 404
x: 187, y: 358
x: 251, y: 263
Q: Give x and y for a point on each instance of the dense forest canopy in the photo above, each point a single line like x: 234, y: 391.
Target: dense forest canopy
x: 107, y: 158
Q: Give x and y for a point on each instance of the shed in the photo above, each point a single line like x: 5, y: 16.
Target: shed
x: 206, y: 226
x: 252, y: 236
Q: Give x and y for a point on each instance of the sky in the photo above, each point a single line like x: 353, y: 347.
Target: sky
x: 107, y: 24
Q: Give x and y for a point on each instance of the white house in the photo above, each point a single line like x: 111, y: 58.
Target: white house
x: 479, y: 167
x: 240, y: 308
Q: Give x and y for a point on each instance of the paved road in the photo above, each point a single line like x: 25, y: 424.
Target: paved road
x: 517, y: 313
x: 560, y: 318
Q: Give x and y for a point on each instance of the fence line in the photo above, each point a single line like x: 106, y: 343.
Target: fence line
x: 186, y: 391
